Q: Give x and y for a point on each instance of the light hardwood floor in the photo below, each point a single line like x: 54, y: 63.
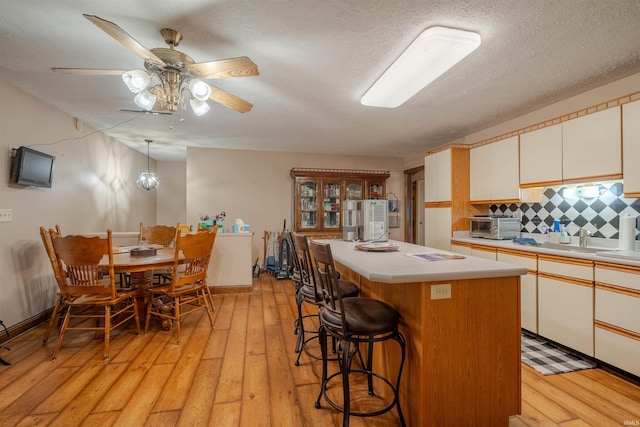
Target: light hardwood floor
x: 240, y: 373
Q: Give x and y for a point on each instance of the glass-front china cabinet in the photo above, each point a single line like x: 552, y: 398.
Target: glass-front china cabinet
x: 319, y: 195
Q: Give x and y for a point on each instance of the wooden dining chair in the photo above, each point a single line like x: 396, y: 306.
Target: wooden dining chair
x: 88, y: 284
x: 186, y: 293
x: 163, y: 235
x: 214, y: 231
x: 158, y: 234
x: 57, y: 275
x: 184, y: 228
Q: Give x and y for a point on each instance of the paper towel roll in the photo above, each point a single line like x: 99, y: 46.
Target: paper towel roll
x: 627, y: 237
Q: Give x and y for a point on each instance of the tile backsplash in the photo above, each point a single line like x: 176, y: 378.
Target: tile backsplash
x: 600, y: 215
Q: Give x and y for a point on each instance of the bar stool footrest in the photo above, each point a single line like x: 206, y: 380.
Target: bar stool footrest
x: 339, y: 408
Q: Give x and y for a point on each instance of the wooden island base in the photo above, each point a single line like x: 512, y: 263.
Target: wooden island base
x: 463, y: 353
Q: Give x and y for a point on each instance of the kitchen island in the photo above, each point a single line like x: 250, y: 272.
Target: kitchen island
x: 461, y: 320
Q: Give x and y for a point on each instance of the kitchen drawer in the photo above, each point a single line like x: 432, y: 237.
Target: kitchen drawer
x: 530, y: 262
x: 618, y: 309
x: 486, y: 252
x: 461, y: 248
x: 620, y: 350
x: 575, y: 268
x: 614, y: 274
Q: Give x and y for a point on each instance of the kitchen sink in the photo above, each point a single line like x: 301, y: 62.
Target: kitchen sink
x: 570, y: 248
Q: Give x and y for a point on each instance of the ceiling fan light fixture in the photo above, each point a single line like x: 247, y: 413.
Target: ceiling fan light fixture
x: 199, y: 89
x: 199, y: 107
x: 145, y: 100
x: 136, y: 80
x: 434, y: 52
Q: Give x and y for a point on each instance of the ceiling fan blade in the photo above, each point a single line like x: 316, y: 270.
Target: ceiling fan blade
x: 232, y: 67
x: 153, y: 113
x: 125, y: 39
x: 89, y: 71
x: 230, y: 101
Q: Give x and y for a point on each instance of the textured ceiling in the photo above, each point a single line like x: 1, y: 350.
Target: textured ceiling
x: 316, y: 58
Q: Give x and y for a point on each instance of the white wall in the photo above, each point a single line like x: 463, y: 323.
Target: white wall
x: 93, y: 189
x: 171, y: 207
x: 256, y: 186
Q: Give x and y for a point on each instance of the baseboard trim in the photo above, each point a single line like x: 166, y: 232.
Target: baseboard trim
x: 244, y: 289
x: 27, y: 324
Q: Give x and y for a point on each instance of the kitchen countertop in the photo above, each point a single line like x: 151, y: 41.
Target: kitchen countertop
x: 608, y: 252
x: 397, y: 267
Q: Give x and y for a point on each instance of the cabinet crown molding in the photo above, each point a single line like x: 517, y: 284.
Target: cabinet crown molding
x: 343, y: 173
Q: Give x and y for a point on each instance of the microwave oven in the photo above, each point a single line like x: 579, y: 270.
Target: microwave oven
x: 494, y: 228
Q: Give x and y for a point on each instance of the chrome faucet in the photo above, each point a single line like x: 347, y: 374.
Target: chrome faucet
x: 584, y: 236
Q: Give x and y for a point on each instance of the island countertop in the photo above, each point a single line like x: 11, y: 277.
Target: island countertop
x: 398, y: 267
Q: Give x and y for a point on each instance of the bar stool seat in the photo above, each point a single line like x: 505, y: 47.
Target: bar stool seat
x: 364, y: 316
x: 354, y: 321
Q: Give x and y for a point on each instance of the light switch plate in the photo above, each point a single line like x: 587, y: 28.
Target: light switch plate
x: 442, y: 291
x: 6, y: 215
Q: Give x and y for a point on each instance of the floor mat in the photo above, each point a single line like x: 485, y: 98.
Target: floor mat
x: 548, y: 359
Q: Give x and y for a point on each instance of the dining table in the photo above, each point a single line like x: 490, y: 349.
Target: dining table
x: 140, y: 269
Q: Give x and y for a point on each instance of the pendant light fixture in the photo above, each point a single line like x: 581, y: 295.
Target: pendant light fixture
x: 147, y: 179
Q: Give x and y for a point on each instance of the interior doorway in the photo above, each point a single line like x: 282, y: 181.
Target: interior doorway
x: 414, y: 194
x: 420, y: 212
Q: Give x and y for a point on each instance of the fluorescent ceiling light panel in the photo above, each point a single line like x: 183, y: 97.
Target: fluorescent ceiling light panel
x: 434, y: 51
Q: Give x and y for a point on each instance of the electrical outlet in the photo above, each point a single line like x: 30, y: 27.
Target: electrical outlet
x: 6, y: 215
x: 442, y: 291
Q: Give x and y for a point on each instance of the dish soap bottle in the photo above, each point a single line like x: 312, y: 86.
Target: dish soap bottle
x: 564, y: 235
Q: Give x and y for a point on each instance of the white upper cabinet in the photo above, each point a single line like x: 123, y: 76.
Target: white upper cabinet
x: 631, y: 148
x: 479, y: 172
x: 494, y: 171
x: 541, y: 156
x: 592, y: 146
x: 437, y: 177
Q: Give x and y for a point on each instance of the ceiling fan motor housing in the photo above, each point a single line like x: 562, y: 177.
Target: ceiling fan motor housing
x: 174, y: 72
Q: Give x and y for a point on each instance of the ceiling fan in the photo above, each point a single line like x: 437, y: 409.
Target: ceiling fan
x: 168, y: 73
x: 151, y: 112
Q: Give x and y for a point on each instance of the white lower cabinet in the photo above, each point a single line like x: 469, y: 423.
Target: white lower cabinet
x: 529, y: 302
x: 617, y: 319
x: 437, y: 228
x: 565, y: 303
x: 528, y: 286
x: 618, y: 350
x: 566, y: 313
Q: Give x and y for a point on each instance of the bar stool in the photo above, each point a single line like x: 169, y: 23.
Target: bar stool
x: 353, y: 321
x: 307, y: 292
x: 296, y: 278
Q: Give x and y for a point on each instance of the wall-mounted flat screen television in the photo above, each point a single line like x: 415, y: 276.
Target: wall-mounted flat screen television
x: 32, y: 168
